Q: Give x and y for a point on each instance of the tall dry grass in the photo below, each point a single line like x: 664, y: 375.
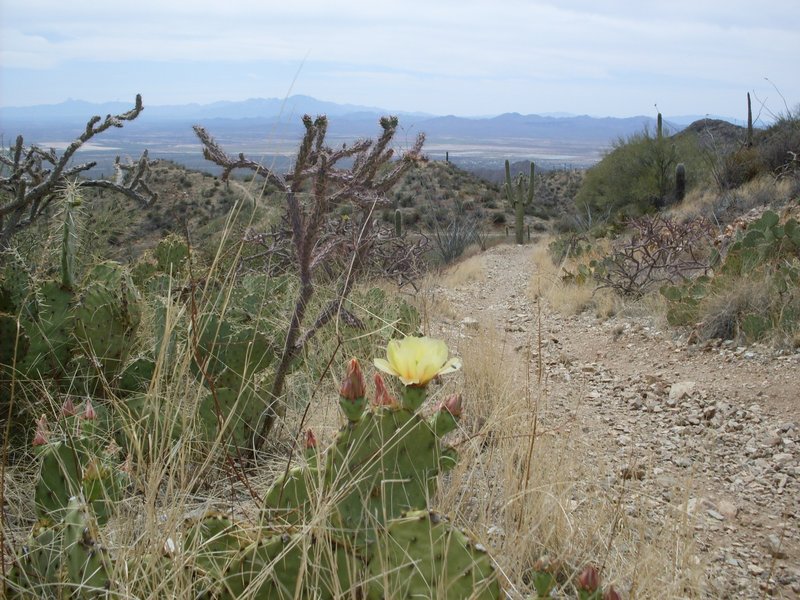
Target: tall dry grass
x: 568, y: 297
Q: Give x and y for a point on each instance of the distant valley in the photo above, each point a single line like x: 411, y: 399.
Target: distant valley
x: 269, y: 130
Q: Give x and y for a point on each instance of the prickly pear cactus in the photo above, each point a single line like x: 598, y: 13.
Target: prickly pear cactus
x: 107, y: 316
x: 80, y: 465
x: 64, y: 560
x: 384, y: 462
x: 422, y: 555
x: 229, y: 561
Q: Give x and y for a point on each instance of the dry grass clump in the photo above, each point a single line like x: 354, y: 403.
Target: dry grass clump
x: 762, y: 192
x: 569, y: 297
x: 471, y: 269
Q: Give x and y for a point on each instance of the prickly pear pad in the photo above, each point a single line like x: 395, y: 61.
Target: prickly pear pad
x: 423, y: 556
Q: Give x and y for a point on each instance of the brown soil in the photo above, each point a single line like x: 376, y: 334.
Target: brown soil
x: 734, y: 430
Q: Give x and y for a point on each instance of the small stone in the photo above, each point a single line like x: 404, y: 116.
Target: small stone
x: 774, y: 546
x: 715, y: 515
x: 782, y: 458
x: 681, y: 390
x: 470, y: 322
x: 682, y: 461
x: 728, y: 509
x: 755, y: 569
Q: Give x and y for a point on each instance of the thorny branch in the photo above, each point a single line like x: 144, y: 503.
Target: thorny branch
x: 311, y: 237
x: 661, y: 250
x: 35, y: 176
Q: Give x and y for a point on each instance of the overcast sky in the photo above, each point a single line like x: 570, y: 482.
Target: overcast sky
x: 463, y: 57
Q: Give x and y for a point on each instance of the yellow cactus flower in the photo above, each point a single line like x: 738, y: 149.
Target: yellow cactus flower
x: 417, y: 360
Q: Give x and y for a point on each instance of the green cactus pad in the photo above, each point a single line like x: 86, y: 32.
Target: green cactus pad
x: 48, y: 324
x: 223, y: 346
x: 424, y: 556
x: 377, y: 468
x: 240, y: 411
x: 288, y: 566
x: 87, y: 563
x: 15, y: 284
x: 14, y: 342
x: 38, y: 566
x: 107, y: 316
x: 60, y: 475
x: 171, y: 254
x: 137, y: 375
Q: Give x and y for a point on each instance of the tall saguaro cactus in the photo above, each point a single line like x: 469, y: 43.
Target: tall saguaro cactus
x: 519, y: 197
x: 749, y: 121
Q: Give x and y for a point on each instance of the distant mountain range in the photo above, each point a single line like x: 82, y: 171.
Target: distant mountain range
x: 264, y: 126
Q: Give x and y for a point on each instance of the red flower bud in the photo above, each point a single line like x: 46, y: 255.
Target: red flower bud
x: 311, y: 440
x: 382, y: 395
x: 589, y: 579
x: 453, y: 405
x: 40, y: 437
x: 88, y: 410
x: 68, y: 408
x: 353, y: 385
x: 611, y: 594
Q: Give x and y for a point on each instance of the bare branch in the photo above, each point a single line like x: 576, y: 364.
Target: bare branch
x: 315, y: 239
x: 32, y: 184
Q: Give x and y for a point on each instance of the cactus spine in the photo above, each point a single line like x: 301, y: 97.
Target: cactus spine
x: 680, y: 182
x: 519, y: 198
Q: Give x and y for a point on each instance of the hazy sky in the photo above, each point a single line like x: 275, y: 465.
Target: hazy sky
x: 464, y: 57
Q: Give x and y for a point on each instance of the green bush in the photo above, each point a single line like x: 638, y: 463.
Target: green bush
x: 638, y: 175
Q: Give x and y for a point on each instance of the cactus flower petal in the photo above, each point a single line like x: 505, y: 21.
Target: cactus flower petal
x: 417, y: 360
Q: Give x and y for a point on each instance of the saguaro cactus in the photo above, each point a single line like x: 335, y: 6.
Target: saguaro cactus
x: 749, y: 121
x: 519, y: 197
x: 680, y: 182
x: 398, y: 223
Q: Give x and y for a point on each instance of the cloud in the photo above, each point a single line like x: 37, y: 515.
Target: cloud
x: 568, y: 45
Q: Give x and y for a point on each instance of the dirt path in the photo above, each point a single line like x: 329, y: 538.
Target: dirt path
x: 725, y: 418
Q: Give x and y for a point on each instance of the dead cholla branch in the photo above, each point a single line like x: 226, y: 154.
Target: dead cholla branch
x: 661, y: 250
x: 316, y: 239
x: 398, y: 259
x: 35, y: 176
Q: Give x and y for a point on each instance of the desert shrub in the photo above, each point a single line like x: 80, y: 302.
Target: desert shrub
x: 779, y: 145
x: 638, y: 175
x: 739, y: 167
x: 499, y: 218
x: 754, y: 292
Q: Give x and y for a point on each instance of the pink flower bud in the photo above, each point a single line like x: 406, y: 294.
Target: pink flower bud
x: 453, y: 405
x: 589, y: 579
x: 68, y: 408
x: 353, y: 385
x: 611, y: 594
x: 382, y: 395
x: 311, y: 440
x: 40, y: 437
x: 89, y: 412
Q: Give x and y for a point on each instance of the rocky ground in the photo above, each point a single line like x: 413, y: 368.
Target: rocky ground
x: 725, y: 418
